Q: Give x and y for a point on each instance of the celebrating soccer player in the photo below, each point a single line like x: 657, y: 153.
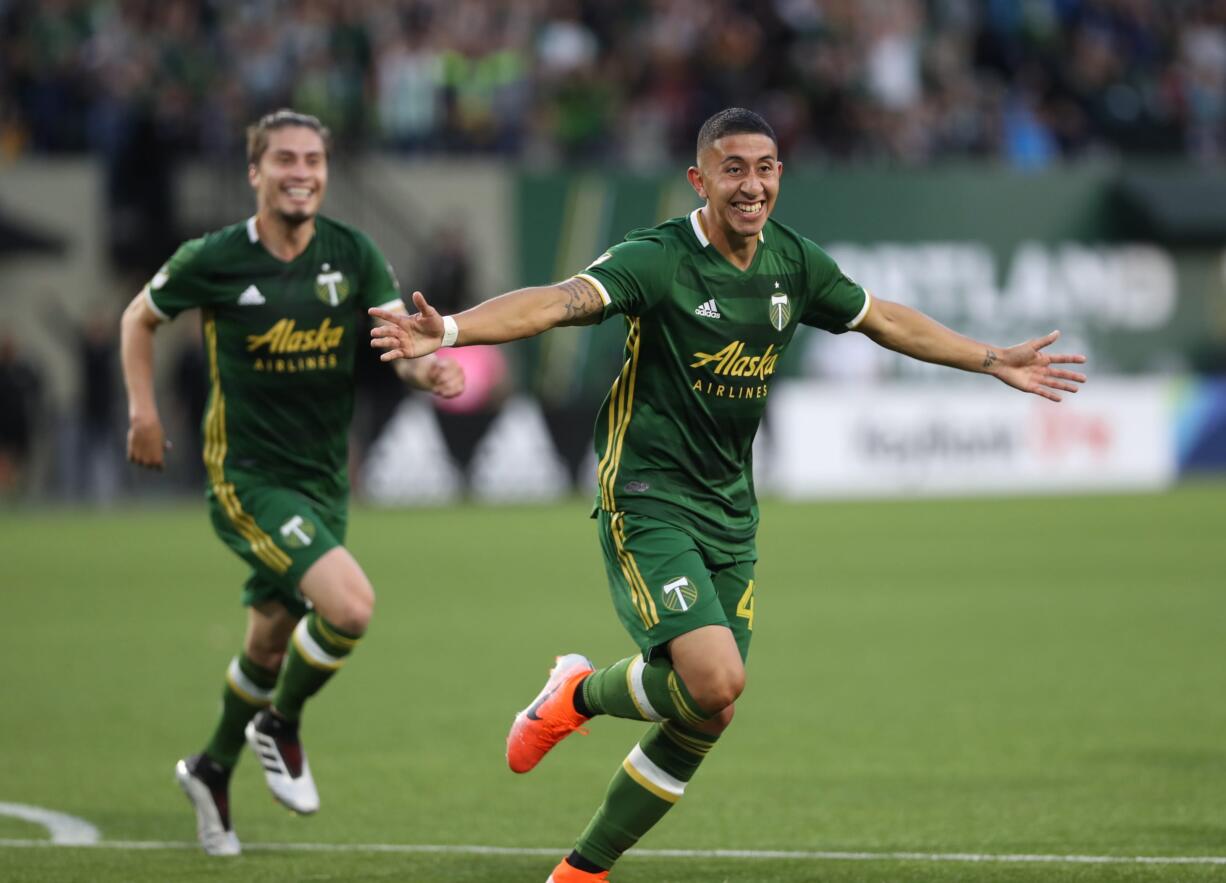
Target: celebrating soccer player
x: 710, y: 301
x: 283, y: 296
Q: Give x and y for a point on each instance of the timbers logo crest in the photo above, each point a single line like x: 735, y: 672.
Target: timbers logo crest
x: 331, y: 286
x: 780, y: 311
x: 680, y: 594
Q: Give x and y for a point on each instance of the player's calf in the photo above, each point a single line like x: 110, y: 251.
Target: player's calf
x: 638, y: 690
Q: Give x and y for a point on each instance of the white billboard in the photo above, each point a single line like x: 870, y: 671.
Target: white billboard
x: 846, y: 440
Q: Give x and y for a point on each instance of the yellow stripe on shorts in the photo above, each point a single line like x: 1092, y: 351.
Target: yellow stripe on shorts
x: 639, y: 593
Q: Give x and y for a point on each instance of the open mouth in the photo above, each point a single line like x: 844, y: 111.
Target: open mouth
x: 299, y: 192
x: 750, y: 209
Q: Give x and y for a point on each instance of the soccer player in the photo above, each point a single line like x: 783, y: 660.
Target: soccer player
x: 710, y: 301
x: 283, y: 297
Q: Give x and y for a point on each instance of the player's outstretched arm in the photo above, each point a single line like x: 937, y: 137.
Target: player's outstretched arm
x: 525, y: 312
x: 441, y: 376
x: 1025, y: 366
x: 147, y: 443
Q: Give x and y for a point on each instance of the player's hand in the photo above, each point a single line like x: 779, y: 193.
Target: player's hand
x: 147, y: 445
x: 1028, y: 368
x: 407, y: 337
x: 445, y: 378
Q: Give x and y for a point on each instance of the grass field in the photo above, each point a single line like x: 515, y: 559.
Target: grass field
x: 1041, y: 677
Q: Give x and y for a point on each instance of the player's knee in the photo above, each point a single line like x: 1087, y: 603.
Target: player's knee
x: 353, y: 613
x: 719, y: 690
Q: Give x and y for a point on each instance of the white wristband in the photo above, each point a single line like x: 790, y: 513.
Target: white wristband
x: 450, y: 331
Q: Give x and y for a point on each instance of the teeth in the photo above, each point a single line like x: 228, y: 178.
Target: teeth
x: 752, y: 209
x: 298, y: 192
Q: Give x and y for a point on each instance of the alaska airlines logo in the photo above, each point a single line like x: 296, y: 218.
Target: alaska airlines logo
x: 285, y: 338
x: 731, y: 361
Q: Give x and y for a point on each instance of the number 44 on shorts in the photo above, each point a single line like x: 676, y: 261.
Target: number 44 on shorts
x: 744, y: 607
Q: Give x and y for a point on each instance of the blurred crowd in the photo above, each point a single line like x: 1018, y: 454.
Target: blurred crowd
x: 1028, y: 81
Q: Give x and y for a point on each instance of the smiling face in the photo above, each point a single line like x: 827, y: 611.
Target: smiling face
x: 738, y: 176
x: 291, y: 175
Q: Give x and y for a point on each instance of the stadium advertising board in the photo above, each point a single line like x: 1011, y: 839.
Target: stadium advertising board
x: 838, y: 440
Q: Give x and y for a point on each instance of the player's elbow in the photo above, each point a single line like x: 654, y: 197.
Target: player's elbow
x: 884, y: 329
x: 138, y: 318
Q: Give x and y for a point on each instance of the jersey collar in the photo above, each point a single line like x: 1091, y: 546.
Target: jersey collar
x: 252, y: 233
x: 695, y: 224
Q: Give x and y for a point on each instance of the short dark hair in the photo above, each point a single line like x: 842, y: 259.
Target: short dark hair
x: 733, y: 121
x: 257, y: 133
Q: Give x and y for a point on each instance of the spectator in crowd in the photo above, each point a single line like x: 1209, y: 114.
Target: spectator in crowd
x: 905, y: 81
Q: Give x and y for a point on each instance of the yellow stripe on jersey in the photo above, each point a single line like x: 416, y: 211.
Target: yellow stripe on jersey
x: 214, y: 461
x: 616, y: 394
x: 621, y: 404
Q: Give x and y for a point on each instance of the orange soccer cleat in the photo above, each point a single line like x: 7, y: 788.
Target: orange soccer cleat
x: 551, y: 717
x: 565, y: 872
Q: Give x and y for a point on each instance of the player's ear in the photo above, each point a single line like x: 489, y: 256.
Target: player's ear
x: 253, y: 175
x: 695, y: 179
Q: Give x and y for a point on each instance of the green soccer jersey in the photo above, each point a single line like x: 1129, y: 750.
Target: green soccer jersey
x: 280, y: 339
x: 674, y: 437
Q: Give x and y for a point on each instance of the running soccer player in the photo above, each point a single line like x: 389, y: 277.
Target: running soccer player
x: 710, y: 301
x: 283, y: 297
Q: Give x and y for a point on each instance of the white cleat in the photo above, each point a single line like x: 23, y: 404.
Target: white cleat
x: 275, y: 743
x: 211, y: 801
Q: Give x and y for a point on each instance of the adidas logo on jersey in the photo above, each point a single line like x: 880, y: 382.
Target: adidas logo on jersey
x: 708, y: 310
x: 251, y: 297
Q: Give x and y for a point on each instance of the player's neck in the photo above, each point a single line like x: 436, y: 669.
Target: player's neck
x: 737, y: 250
x: 283, y: 240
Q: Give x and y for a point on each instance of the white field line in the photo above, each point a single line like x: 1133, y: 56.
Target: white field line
x: 65, y: 830
x: 752, y: 854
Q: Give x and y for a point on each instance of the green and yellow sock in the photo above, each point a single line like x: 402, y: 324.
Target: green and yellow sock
x: 248, y: 689
x: 316, y: 651
x: 645, y: 691
x: 651, y: 779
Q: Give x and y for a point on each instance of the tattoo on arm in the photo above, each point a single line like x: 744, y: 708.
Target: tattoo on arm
x: 989, y: 359
x: 583, y: 304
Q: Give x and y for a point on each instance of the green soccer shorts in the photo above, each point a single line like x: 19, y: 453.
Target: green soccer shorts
x: 279, y: 532
x: 665, y: 583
